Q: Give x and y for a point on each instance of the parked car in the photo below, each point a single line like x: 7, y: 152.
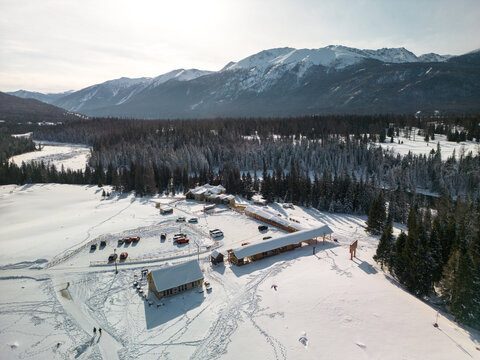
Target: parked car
x: 127, y: 240
x: 103, y: 243
x: 93, y: 247
x: 163, y: 236
x: 112, y: 257
x: 179, y: 235
x: 135, y: 239
x: 123, y: 255
x: 182, y: 240
x: 120, y: 242
x: 193, y: 220
x: 245, y: 243
x: 262, y: 227
x: 181, y: 219
x: 216, y: 233
x: 267, y: 237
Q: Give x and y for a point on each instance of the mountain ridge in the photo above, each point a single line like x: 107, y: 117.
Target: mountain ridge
x: 307, y: 81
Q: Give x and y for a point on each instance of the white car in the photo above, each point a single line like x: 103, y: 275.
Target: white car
x: 216, y: 233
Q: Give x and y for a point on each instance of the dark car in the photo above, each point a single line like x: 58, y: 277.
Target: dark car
x: 267, y: 237
x: 123, y: 255
x: 262, y: 227
x: 112, y: 257
x: 181, y: 219
x: 93, y: 247
x: 103, y: 243
x: 163, y: 236
x: 120, y: 242
x: 135, y: 238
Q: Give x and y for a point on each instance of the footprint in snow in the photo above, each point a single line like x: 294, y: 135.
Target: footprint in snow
x: 362, y: 345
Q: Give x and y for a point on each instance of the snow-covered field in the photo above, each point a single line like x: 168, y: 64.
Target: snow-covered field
x: 324, y: 305
x: 418, y: 146
x: 71, y: 156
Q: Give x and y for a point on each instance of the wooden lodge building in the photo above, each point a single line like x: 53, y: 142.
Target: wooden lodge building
x: 270, y: 217
x: 244, y: 254
x: 211, y: 194
x: 171, y: 280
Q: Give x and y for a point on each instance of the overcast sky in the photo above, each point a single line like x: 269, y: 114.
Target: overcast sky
x: 57, y: 45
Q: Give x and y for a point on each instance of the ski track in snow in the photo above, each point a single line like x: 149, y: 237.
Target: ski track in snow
x: 247, y: 303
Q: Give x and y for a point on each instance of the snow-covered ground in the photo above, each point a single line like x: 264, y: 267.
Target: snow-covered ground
x: 71, y: 156
x: 418, y: 146
x: 324, y: 305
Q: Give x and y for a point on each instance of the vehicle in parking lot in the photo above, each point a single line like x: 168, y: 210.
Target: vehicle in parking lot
x: 193, y: 220
x: 135, y: 238
x: 216, y: 233
x: 245, y: 243
x: 127, y: 240
x: 103, y: 243
x: 163, y: 236
x: 112, y: 257
x: 120, y: 242
x: 181, y: 240
x: 123, y: 255
x: 93, y: 247
x: 262, y: 227
x: 181, y: 219
x: 267, y: 237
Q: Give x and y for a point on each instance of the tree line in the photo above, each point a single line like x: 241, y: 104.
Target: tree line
x: 439, y: 254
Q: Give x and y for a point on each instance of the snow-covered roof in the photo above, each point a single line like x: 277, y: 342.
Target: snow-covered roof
x: 215, y: 254
x: 289, y: 239
x: 268, y: 214
x: 176, y: 275
x: 208, y: 189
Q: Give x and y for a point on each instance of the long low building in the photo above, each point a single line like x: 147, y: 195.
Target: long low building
x: 273, y: 218
x: 242, y: 255
x: 171, y: 280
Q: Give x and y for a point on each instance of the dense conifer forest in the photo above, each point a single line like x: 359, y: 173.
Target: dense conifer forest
x: 332, y: 163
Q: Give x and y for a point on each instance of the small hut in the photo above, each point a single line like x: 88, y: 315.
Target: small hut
x: 216, y: 257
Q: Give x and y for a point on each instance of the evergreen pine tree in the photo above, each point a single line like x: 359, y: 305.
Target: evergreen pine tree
x: 384, y: 254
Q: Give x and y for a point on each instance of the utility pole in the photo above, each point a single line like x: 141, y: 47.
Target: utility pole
x: 116, y: 269
x: 198, y: 250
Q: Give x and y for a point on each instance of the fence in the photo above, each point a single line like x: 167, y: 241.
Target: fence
x: 154, y: 259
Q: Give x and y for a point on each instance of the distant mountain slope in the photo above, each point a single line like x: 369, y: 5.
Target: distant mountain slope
x: 46, y: 98
x: 115, y: 92
x: 287, y: 81
x: 13, y: 108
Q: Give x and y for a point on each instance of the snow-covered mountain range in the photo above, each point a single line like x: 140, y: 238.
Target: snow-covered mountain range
x: 287, y: 81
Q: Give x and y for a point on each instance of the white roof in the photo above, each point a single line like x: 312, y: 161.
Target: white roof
x: 273, y: 216
x: 176, y: 275
x: 289, y: 239
x: 215, y: 254
x: 208, y: 189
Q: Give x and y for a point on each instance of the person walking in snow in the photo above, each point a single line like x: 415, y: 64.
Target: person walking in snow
x: 94, y: 331
x: 100, y: 331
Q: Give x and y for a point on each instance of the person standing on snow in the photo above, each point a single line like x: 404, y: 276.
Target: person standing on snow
x: 100, y: 331
x: 94, y: 331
